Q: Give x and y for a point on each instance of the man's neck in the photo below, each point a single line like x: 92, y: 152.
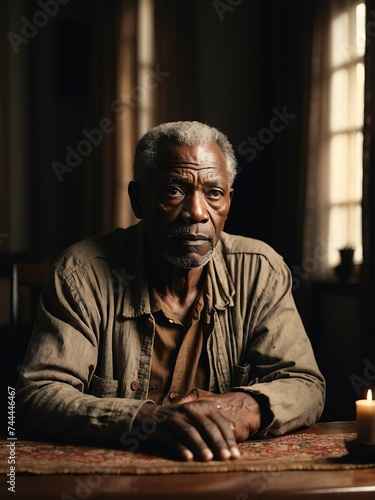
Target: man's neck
x: 176, y: 286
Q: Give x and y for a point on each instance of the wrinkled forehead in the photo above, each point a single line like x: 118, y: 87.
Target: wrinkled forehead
x: 172, y: 154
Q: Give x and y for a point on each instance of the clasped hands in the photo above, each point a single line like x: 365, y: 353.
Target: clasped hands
x: 203, y: 425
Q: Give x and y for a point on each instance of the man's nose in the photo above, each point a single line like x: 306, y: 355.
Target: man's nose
x: 194, y: 208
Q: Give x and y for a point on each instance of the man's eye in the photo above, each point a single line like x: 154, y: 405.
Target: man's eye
x: 215, y: 194
x: 174, y: 191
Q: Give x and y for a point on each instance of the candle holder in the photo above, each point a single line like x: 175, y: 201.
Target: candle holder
x: 363, y: 446
x: 362, y: 451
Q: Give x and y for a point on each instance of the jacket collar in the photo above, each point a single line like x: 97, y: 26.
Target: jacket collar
x: 220, y: 287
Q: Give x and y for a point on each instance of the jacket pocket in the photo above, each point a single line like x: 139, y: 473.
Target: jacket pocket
x: 103, y: 388
x: 241, y: 375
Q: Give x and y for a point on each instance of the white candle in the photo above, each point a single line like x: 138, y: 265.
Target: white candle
x: 365, y: 411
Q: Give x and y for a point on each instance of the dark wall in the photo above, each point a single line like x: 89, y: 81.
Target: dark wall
x: 56, y: 88
x: 253, y: 66
x: 247, y: 64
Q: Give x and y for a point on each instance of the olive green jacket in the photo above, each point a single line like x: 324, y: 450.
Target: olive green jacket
x: 87, y: 369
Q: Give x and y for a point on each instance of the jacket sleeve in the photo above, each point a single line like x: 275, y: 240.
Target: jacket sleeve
x: 283, y: 373
x: 53, y: 393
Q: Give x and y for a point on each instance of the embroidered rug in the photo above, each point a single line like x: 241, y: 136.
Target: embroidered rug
x: 300, y: 451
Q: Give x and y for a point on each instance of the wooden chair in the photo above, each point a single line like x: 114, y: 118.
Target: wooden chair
x: 26, y: 282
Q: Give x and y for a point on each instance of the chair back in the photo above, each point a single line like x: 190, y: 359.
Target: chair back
x: 26, y: 282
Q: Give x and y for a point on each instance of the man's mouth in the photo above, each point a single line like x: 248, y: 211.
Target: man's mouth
x: 189, y: 247
x: 182, y: 239
x: 192, y: 239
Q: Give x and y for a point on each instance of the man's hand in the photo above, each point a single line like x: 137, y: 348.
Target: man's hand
x: 203, y: 425
x: 239, y: 407
x: 195, y: 430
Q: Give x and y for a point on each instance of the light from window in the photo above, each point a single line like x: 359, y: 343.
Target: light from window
x: 344, y: 135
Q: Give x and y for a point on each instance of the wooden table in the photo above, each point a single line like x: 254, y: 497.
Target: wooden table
x: 356, y: 484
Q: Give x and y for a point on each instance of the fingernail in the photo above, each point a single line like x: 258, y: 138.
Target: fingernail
x: 235, y: 452
x: 187, y: 455
x: 207, y: 454
x: 225, y: 454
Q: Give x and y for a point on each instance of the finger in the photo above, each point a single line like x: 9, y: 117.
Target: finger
x: 191, y: 440
x: 179, y: 435
x: 219, y: 435
x: 179, y: 451
x: 212, y: 431
x: 227, y: 430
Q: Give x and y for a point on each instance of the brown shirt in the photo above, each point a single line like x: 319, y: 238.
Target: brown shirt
x: 179, y: 362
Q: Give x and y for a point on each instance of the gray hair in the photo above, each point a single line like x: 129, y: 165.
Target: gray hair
x: 189, y: 133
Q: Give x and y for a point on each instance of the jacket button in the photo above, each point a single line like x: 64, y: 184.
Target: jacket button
x: 134, y: 385
x: 172, y: 396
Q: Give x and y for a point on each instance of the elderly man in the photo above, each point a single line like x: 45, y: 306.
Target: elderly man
x: 171, y: 332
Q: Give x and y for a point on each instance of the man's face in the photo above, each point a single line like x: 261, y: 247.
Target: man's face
x: 186, y: 203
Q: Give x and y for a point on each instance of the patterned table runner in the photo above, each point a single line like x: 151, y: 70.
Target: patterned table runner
x: 300, y: 451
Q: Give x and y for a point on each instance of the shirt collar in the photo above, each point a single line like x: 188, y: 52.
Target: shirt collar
x: 136, y: 302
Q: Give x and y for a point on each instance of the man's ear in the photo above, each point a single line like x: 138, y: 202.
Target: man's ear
x: 135, y: 195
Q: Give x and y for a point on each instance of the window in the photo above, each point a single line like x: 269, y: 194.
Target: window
x: 344, y: 136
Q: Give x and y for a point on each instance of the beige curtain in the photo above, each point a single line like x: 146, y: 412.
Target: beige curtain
x: 113, y: 76
x: 126, y: 113
x: 315, y: 228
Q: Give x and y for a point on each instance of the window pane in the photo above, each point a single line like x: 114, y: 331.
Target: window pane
x: 346, y: 77
x: 360, y: 29
x: 338, y: 233
x: 339, y: 100
x: 359, y: 93
x: 354, y: 193
x: 344, y: 230
x: 357, y: 177
x: 354, y: 220
x: 339, y: 175
x: 340, y: 39
x: 357, y: 234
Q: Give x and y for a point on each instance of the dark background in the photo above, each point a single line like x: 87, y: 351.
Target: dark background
x: 242, y: 65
